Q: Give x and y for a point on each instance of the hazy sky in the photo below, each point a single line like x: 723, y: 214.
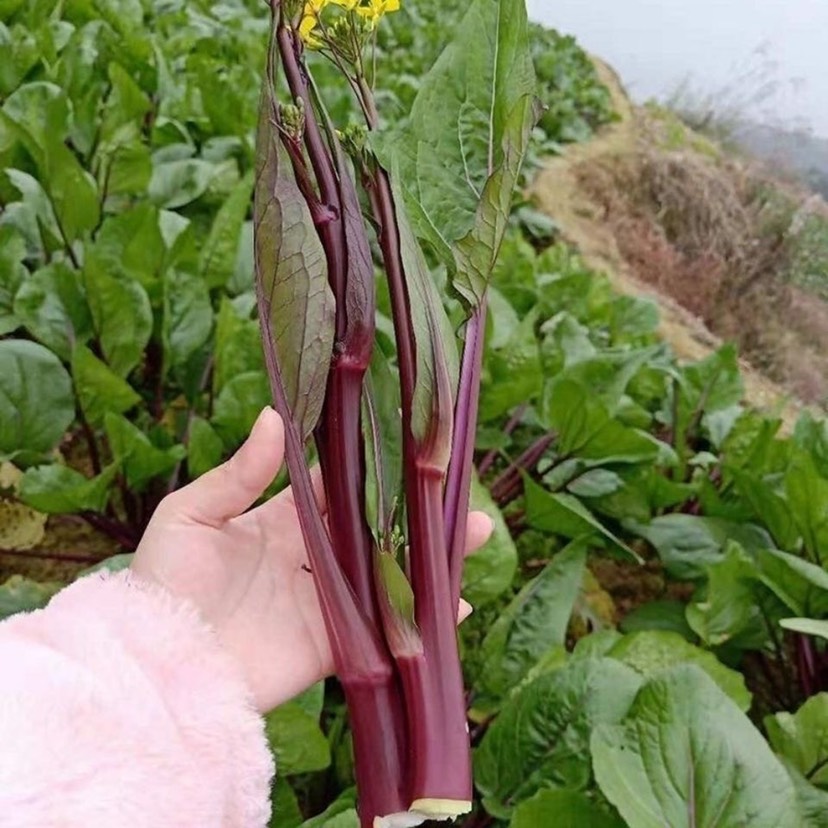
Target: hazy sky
x: 656, y: 44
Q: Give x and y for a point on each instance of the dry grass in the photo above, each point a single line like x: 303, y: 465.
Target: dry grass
x: 701, y: 228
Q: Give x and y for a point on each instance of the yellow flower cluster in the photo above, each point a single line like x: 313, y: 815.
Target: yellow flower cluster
x: 369, y: 10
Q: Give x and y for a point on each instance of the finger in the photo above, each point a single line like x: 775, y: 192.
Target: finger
x: 464, y: 611
x: 479, y: 528
x: 231, y: 488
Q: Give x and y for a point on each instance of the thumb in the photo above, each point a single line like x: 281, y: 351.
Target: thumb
x: 233, y: 487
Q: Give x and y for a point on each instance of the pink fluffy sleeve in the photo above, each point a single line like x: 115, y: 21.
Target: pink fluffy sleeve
x: 119, y: 709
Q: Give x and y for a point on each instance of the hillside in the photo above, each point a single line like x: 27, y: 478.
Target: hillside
x: 611, y: 198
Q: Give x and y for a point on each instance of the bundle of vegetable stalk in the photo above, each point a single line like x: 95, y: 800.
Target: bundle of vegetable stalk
x: 392, y: 418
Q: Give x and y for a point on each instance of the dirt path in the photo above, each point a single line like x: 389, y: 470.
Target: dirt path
x: 558, y: 193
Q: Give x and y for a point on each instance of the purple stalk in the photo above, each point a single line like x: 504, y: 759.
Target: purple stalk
x: 458, y: 482
x: 513, y: 422
x: 339, y: 434
x: 507, y: 485
x: 343, y: 561
x: 433, y: 682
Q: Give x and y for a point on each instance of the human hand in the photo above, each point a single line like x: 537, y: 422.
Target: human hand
x: 247, y: 572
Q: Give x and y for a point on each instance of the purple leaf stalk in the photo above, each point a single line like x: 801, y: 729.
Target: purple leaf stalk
x: 387, y: 565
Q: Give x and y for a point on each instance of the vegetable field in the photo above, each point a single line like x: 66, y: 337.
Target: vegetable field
x: 648, y: 646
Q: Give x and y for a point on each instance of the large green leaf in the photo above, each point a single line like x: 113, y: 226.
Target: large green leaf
x: 188, y: 317
x: 689, y: 543
x: 285, y: 811
x: 726, y: 609
x: 563, y: 809
x: 802, y: 738
x: 586, y: 429
x: 565, y: 515
x: 36, y: 401
x: 60, y: 490
x: 541, y: 738
x: 52, y: 306
x: 122, y: 318
x: 12, y: 274
x: 99, y: 388
x: 238, y: 345
x: 686, y: 757
x: 472, y: 113
x: 296, y: 305
x: 237, y: 406
x: 651, y: 652
x: 296, y: 740
x: 807, y: 496
x: 534, y: 623
x: 219, y: 252
x: 141, y: 460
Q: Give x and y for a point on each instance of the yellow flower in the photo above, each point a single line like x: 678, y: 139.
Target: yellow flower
x: 310, y: 17
x: 375, y: 9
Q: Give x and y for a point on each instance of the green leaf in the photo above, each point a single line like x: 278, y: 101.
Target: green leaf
x: 296, y: 304
x: 296, y: 740
x: 99, y: 389
x: 382, y: 433
x: 188, y: 317
x: 541, y: 737
x: 73, y: 192
x: 534, y: 623
x: 806, y: 626
x: 807, y: 495
x: 727, y: 608
x: 122, y: 318
x: 802, y: 737
x: 687, y: 544
x: 813, y: 801
x: 473, y: 113
x: 237, y: 406
x: 140, y: 459
x: 686, y: 756
x: 20, y: 594
x: 512, y: 373
x: 285, y: 812
x: 176, y: 183
x: 654, y: 651
x: 800, y: 585
x: 563, y: 809
x: 33, y: 216
x: 39, y: 112
x: 712, y: 384
x: 59, y: 490
x: 238, y: 348
x: 36, y: 402
x: 658, y: 615
x: 220, y: 250
x: 489, y: 572
x: 204, y: 448
x: 586, y: 429
x: 52, y: 306
x: 565, y: 515
x: 12, y: 274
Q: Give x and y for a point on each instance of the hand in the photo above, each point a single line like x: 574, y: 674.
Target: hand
x: 247, y: 572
